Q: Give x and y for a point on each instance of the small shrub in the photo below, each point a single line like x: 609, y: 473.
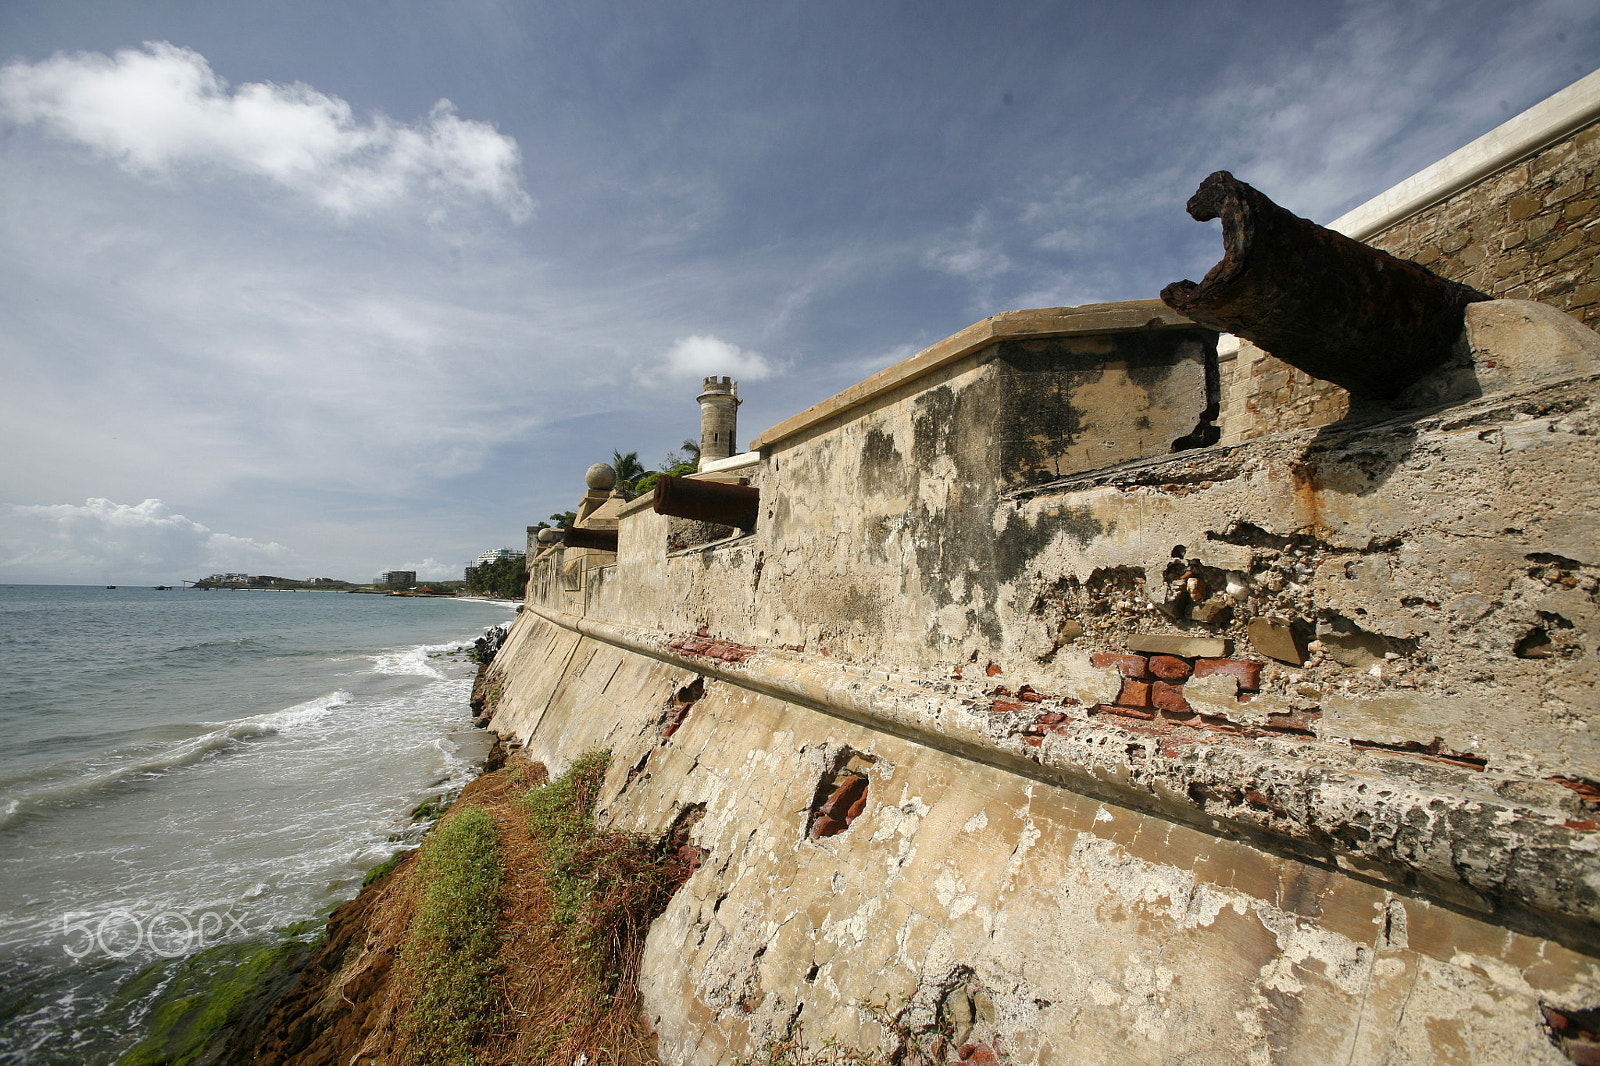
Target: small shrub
x: 451, y: 948
x: 560, y: 816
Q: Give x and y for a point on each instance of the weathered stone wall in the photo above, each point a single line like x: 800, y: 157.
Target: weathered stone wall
x: 1054, y: 926
x: 1530, y: 231
x: 1276, y: 752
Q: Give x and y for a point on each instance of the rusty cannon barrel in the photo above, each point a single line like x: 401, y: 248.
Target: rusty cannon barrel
x: 1338, y: 309
x: 707, y: 501
x: 583, y: 537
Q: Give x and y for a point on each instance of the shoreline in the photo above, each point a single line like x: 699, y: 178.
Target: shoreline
x: 214, y: 1005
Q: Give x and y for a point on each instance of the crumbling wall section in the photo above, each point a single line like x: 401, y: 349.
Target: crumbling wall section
x: 1272, y: 751
x: 965, y: 906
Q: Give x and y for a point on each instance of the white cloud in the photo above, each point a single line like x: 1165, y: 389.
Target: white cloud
x: 704, y: 356
x: 162, y: 108
x: 431, y: 569
x: 102, y: 540
x: 967, y: 259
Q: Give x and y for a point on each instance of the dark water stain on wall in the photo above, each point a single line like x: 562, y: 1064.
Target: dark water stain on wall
x: 883, y: 469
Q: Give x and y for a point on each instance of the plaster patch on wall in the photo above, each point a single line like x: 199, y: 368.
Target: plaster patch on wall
x: 1025, y: 840
x: 1096, y: 860
x: 854, y: 929
x: 950, y: 889
x: 1342, y: 961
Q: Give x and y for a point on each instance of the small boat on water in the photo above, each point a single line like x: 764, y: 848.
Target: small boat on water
x: 111, y: 586
x: 163, y: 588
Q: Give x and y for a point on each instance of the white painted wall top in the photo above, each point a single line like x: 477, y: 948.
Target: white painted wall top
x: 1542, y: 124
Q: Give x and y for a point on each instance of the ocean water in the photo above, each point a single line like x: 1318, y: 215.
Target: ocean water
x: 180, y: 768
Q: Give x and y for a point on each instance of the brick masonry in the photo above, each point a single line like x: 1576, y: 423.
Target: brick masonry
x: 1528, y: 232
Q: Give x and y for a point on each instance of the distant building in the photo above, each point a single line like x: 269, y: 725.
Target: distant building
x: 399, y: 577
x: 496, y: 554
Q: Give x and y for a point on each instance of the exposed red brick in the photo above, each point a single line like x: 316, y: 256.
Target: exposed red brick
x: 1170, y: 668
x: 1032, y: 697
x: 1110, y: 710
x: 856, y: 808
x: 1008, y: 707
x: 978, y: 1055
x: 1131, y: 666
x: 1586, y: 826
x: 826, y: 827
x: 852, y: 788
x: 1032, y: 742
x: 1248, y: 673
x: 1583, y: 1052
x: 1587, y: 790
x: 992, y: 670
x: 1168, y: 697
x: 1050, y: 718
x: 704, y: 631
x: 998, y: 690
x: 1134, y: 693
x: 1300, y: 722
x: 1258, y: 799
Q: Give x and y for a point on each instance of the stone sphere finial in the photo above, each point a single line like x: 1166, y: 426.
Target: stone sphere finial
x: 601, y: 476
x: 549, y: 536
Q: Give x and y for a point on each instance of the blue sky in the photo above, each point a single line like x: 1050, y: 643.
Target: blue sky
x: 316, y: 289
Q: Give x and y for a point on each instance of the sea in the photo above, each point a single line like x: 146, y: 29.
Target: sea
x: 179, y: 768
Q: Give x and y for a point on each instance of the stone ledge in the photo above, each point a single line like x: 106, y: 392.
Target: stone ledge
x: 1086, y: 319
x: 1408, y: 824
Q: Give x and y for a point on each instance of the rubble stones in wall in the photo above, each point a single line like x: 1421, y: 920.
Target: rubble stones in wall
x: 1259, y: 585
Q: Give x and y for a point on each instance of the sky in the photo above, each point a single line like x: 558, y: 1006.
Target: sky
x: 314, y: 289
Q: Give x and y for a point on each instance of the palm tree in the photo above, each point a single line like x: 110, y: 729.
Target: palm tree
x: 629, y: 470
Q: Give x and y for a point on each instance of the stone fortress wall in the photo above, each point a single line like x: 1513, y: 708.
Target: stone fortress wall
x: 1026, y: 720
x: 1515, y: 214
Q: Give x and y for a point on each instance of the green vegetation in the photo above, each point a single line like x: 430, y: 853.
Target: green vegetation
x: 385, y: 868
x: 429, y: 809
x: 560, y: 816
x: 628, y: 469
x: 506, y: 578
x: 206, y: 994
x: 634, y: 480
x: 451, y: 948
x: 515, y: 931
x: 606, y: 887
